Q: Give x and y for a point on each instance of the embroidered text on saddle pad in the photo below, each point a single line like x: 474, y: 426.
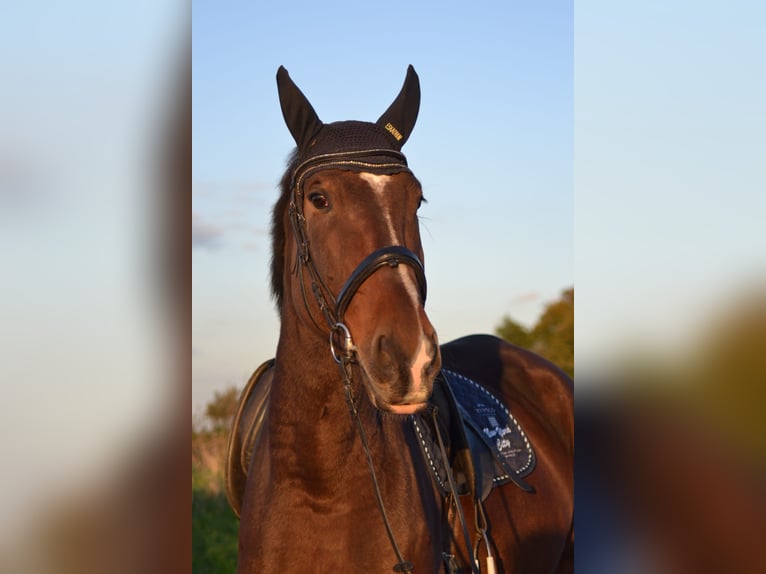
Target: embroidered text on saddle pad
x: 492, y: 420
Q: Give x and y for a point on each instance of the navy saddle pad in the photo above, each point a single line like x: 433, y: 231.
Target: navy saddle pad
x: 486, y: 445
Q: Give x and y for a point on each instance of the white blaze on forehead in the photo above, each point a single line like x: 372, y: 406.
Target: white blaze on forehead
x: 377, y: 181
x: 378, y: 185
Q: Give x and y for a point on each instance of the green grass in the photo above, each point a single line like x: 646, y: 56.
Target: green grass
x: 215, y: 527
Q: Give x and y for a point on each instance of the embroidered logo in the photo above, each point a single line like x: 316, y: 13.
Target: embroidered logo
x: 487, y: 415
x: 394, y: 132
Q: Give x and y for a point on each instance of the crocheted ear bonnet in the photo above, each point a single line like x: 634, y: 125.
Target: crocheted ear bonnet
x: 349, y: 145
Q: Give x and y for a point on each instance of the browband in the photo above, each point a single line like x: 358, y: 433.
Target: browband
x: 362, y: 160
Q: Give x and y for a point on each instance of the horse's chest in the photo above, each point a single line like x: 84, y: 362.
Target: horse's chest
x: 296, y: 525
x: 296, y: 535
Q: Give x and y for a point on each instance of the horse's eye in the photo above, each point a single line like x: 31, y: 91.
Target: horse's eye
x: 319, y: 200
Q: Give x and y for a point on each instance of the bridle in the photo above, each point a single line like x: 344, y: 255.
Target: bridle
x: 333, y: 308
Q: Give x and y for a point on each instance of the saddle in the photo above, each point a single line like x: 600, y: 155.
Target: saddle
x: 485, y: 444
x: 249, y: 420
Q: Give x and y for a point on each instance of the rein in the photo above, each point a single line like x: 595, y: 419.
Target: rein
x: 345, y: 366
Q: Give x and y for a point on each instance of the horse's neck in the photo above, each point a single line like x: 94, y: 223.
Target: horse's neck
x: 313, y: 432
x: 309, y: 416
x: 316, y: 472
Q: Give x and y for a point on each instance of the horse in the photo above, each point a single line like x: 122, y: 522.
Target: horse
x: 350, y: 452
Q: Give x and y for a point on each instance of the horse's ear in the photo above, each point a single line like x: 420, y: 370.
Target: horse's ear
x: 300, y: 117
x: 400, y: 117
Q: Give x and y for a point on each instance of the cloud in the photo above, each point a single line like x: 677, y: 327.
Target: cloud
x: 205, y: 234
x: 528, y: 297
x: 251, y: 246
x: 240, y: 191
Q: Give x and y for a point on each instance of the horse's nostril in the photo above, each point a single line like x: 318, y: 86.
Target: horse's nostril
x: 384, y: 352
x: 434, y: 364
x: 380, y: 345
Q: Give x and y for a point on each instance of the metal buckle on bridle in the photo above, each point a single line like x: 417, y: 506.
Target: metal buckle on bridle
x: 346, y: 344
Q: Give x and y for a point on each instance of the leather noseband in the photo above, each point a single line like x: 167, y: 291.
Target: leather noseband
x: 392, y: 256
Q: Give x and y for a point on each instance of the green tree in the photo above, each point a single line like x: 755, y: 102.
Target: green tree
x: 214, y: 526
x: 221, y: 409
x: 514, y: 332
x: 552, y: 336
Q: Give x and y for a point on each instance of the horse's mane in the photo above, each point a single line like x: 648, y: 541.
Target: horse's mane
x: 278, y: 236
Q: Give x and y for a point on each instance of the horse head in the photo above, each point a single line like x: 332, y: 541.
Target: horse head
x: 346, y: 228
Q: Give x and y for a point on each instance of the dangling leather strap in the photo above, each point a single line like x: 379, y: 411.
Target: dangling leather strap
x: 455, y: 496
x: 402, y: 565
x: 481, y: 531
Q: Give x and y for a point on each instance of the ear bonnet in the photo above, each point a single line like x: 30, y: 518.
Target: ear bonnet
x: 348, y: 145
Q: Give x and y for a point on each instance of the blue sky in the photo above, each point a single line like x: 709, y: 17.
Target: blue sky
x: 670, y: 178
x: 621, y: 151
x: 492, y: 147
